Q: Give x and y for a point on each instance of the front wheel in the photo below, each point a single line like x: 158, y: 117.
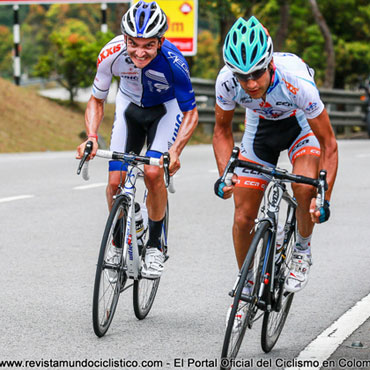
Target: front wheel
x: 273, y: 321
x: 145, y: 290
x: 110, y: 277
x: 242, y: 312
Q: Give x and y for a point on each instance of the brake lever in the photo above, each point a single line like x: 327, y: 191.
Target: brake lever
x: 229, y: 170
x: 323, y: 186
x: 166, y: 164
x: 87, y: 152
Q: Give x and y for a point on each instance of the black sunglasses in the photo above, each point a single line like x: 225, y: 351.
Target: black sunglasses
x: 250, y: 76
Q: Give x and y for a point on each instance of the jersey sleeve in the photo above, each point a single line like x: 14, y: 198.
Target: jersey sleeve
x: 104, y: 73
x: 308, y: 98
x: 225, y: 98
x: 184, y: 92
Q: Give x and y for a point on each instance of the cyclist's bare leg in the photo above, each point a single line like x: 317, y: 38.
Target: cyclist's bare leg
x: 247, y: 202
x: 306, y: 165
x: 114, y: 180
x: 157, y: 193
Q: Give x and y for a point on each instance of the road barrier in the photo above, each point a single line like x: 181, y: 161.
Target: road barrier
x: 345, y: 108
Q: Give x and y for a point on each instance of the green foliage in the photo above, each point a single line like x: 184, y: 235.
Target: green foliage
x: 206, y: 61
x: 72, y: 56
x: 6, y: 62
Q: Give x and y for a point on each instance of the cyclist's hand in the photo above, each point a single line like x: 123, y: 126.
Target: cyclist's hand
x: 81, y: 148
x: 319, y: 215
x: 174, y: 162
x: 222, y: 190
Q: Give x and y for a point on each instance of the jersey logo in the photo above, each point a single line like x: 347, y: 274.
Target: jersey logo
x: 265, y: 104
x: 291, y: 88
x: 221, y: 99
x: 162, y: 83
x: 178, y: 61
x: 311, y: 107
x: 107, y: 52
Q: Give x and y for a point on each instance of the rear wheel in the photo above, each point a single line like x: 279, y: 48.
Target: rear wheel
x: 145, y: 290
x: 245, y: 308
x: 110, y: 277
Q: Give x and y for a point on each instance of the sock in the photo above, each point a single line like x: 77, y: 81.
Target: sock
x: 303, y: 245
x: 155, y: 231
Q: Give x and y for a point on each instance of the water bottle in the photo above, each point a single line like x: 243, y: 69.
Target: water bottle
x: 279, y: 242
x: 139, y: 222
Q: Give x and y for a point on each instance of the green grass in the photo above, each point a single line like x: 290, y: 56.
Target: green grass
x: 29, y: 122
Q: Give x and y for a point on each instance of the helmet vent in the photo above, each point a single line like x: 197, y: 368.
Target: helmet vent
x: 254, y: 53
x: 235, y: 38
x: 244, y: 54
x: 261, y: 37
x: 234, y: 56
x: 251, y: 37
x: 141, y: 19
x: 243, y: 30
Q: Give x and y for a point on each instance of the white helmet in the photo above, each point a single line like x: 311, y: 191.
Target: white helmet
x: 144, y: 20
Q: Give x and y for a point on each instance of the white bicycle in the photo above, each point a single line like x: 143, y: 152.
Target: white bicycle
x: 112, y: 277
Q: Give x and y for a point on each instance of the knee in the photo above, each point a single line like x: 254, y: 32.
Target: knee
x: 302, y: 191
x: 113, y: 183
x: 243, y: 220
x: 154, y: 178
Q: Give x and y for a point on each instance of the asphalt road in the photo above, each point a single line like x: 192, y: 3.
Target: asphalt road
x: 49, y: 243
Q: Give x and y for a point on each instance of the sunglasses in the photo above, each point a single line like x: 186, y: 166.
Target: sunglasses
x: 250, y: 76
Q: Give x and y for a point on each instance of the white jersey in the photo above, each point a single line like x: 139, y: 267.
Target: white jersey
x: 292, y: 92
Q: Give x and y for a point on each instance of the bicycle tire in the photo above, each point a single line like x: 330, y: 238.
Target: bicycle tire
x: 145, y: 290
x: 232, y: 339
x: 274, y: 321
x: 110, y: 278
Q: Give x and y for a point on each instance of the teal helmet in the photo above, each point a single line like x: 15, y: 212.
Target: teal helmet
x: 248, y: 46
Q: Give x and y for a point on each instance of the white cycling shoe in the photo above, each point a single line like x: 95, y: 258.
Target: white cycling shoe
x: 298, y: 272
x: 153, y: 264
x: 113, y: 258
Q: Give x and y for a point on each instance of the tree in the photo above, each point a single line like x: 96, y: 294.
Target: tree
x: 6, y: 65
x: 329, y: 47
x: 206, y: 63
x: 73, y: 55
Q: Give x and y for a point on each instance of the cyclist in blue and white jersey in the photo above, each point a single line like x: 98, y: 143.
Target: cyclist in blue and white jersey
x: 155, y: 103
x: 283, y: 112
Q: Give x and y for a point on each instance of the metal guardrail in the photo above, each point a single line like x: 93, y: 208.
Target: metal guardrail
x: 345, y: 108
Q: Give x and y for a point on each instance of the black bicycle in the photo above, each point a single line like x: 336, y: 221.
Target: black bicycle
x: 264, y: 264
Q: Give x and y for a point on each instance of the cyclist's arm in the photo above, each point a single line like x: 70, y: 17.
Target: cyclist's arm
x: 187, y: 127
x: 93, y: 117
x: 323, y: 131
x: 223, y: 141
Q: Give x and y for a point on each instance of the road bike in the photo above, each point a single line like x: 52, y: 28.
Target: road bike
x: 264, y: 264
x: 122, y: 230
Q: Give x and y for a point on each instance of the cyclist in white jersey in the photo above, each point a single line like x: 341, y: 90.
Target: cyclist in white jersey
x: 283, y: 112
x: 155, y: 103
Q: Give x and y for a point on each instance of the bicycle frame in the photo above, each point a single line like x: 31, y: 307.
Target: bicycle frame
x: 270, y: 210
x: 130, y: 248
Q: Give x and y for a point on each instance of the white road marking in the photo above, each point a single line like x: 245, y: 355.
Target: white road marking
x: 90, y: 186
x: 321, y: 348
x: 18, y: 197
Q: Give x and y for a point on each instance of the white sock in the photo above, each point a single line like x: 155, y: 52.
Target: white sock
x: 303, y: 245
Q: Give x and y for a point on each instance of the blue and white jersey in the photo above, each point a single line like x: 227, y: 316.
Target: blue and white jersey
x: 293, y: 91
x: 165, y: 78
